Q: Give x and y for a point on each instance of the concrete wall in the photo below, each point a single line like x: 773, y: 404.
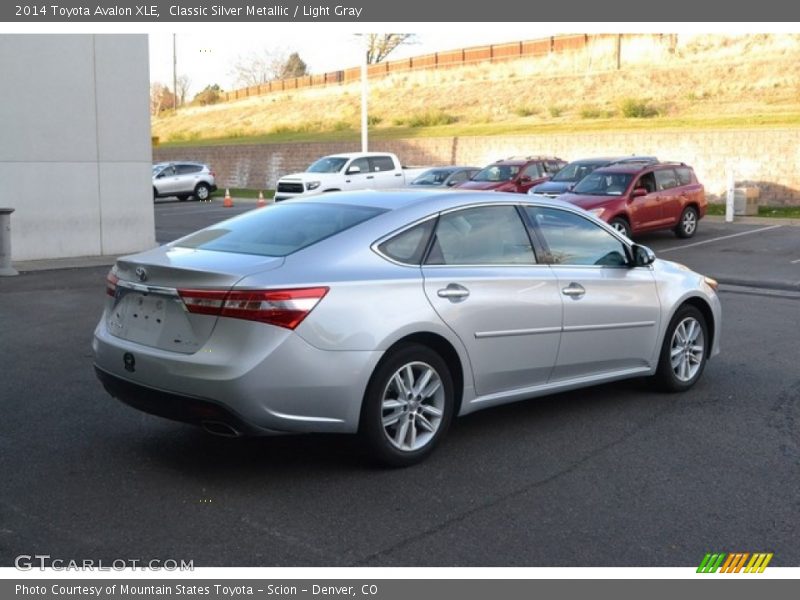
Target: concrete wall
x: 75, y: 157
x: 767, y: 158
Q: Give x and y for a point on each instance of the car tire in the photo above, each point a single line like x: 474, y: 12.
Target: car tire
x: 687, y: 225
x: 401, y: 425
x: 684, y: 352
x: 622, y: 226
x: 155, y: 194
x: 202, y: 192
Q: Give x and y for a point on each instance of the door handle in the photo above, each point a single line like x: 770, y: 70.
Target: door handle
x: 398, y: 174
x: 574, y: 290
x: 370, y: 177
x: 453, y: 292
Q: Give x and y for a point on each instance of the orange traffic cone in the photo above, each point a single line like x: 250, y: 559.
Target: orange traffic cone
x: 261, y: 202
x: 228, y: 201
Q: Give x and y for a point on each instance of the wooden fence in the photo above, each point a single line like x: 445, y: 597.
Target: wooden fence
x: 437, y: 60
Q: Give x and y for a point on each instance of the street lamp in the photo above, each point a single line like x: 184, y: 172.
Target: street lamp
x: 364, y: 94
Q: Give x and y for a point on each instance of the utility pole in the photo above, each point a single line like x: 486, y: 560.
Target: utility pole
x: 174, y: 74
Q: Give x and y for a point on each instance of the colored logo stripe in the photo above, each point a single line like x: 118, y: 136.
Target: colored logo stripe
x: 734, y: 562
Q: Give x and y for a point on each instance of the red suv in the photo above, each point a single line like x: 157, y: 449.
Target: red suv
x: 514, y: 174
x: 634, y: 198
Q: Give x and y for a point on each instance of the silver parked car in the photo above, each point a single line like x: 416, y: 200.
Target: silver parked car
x: 183, y: 179
x: 389, y: 313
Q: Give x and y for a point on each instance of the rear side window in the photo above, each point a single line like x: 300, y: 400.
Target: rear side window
x: 409, y: 246
x: 382, y: 163
x: 280, y: 229
x: 186, y: 169
x: 684, y: 175
x: 666, y: 179
x: 486, y: 235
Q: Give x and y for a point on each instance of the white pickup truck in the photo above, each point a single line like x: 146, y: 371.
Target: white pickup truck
x: 348, y: 171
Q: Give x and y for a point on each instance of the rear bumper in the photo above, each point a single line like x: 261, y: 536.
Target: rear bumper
x: 177, y: 407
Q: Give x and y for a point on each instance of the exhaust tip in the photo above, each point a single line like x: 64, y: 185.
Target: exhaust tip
x: 221, y: 429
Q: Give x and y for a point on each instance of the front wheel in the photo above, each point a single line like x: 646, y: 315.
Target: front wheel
x: 684, y: 352
x: 687, y: 226
x: 408, y: 406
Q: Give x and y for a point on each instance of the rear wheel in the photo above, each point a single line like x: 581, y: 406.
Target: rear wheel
x: 684, y: 352
x: 622, y: 226
x: 687, y: 226
x: 408, y: 406
x: 202, y: 192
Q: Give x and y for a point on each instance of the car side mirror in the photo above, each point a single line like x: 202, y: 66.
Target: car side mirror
x: 639, y: 192
x: 525, y: 179
x: 451, y: 183
x: 353, y: 169
x: 642, y: 256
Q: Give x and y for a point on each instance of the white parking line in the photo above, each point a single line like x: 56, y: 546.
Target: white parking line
x: 719, y: 239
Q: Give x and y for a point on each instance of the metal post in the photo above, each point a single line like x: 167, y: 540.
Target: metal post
x: 174, y: 74
x: 5, y: 243
x: 731, y: 196
x: 364, y: 121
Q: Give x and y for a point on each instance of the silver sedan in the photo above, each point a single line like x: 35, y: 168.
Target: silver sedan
x: 389, y: 313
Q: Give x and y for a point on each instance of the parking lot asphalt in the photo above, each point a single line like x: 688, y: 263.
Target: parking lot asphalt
x: 615, y: 475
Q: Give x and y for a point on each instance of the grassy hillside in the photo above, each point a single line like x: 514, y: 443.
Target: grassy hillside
x: 699, y: 82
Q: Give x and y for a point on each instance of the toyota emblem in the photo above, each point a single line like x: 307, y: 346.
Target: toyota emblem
x: 141, y: 273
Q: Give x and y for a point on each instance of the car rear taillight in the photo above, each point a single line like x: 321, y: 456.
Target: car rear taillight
x: 111, y: 284
x: 284, y: 308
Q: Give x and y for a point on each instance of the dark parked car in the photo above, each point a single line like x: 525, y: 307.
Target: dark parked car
x: 445, y: 176
x: 515, y: 174
x: 634, y: 198
x: 577, y: 170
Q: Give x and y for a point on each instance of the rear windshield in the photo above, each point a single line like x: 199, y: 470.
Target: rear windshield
x: 280, y: 229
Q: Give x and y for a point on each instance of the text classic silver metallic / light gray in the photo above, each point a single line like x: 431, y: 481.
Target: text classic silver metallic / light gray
x: 388, y: 313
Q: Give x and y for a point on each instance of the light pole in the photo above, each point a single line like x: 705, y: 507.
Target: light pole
x: 174, y: 74
x: 364, y: 93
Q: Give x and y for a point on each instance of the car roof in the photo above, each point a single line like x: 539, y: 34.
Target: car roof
x: 521, y: 160
x: 633, y: 168
x: 427, y: 201
x: 355, y: 154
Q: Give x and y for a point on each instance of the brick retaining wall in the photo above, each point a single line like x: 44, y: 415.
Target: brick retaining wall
x: 766, y: 158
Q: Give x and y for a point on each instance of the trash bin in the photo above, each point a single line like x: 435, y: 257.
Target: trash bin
x: 745, y: 201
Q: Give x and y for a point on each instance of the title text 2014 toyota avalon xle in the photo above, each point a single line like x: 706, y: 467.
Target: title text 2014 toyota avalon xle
x: 389, y: 313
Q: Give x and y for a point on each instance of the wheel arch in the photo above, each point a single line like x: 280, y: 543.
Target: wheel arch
x: 705, y: 309
x: 443, y: 348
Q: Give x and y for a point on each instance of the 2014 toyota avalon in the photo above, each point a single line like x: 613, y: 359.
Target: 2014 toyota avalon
x: 389, y: 313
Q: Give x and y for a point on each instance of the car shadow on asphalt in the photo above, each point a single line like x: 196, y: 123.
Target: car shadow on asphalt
x: 193, y: 451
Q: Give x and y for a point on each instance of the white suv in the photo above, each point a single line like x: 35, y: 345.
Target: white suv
x: 183, y: 179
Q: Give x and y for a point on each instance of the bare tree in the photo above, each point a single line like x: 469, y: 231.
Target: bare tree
x: 380, y: 45
x: 161, y: 98
x: 183, y: 82
x: 255, y: 68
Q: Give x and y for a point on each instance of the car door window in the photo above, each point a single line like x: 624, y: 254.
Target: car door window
x: 361, y: 163
x: 533, y: 170
x: 574, y: 240
x: 648, y: 182
x: 486, y: 235
x: 665, y: 179
x: 457, y: 177
x: 188, y: 169
x: 381, y: 163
